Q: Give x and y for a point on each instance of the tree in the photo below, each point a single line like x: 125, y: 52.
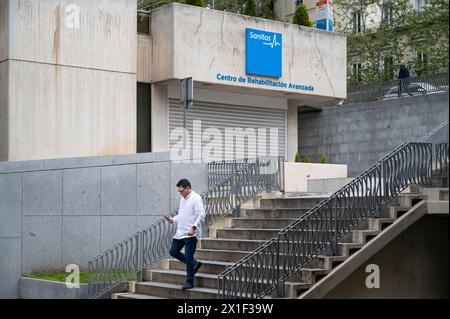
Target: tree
x: 264, y: 8
x: 198, y: 3
x: 250, y: 8
x: 301, y: 16
x: 419, y: 37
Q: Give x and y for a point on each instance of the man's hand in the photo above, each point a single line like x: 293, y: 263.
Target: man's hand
x: 170, y: 220
x: 191, y: 232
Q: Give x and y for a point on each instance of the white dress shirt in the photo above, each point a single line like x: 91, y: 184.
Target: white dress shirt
x: 190, y: 213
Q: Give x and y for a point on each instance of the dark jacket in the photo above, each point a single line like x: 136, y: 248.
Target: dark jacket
x: 403, y: 73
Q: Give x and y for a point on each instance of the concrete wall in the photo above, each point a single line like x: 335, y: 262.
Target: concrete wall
x: 63, y: 112
x: 360, y: 134
x: 292, y: 131
x: 144, y: 59
x: 4, y: 30
x: 41, y: 31
x: 64, y: 211
x: 413, y: 265
x: 297, y: 175
x: 4, y: 85
x: 72, y: 87
x: 184, y: 34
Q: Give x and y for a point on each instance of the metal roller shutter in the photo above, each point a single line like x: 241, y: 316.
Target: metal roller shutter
x: 222, y: 116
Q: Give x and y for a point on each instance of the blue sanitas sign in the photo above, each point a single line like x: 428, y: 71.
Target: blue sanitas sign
x: 263, y: 51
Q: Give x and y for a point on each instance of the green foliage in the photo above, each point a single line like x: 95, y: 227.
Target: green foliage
x: 297, y: 158
x: 84, y: 277
x: 324, y: 159
x: 409, y: 30
x: 149, y: 5
x: 250, y: 8
x: 263, y: 8
x: 61, y: 277
x: 306, y: 159
x: 198, y: 3
x: 301, y: 16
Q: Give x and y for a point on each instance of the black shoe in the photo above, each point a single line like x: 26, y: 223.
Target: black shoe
x: 187, y: 286
x: 197, y: 267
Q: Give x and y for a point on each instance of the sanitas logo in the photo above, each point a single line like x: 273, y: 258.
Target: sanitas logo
x: 267, y: 38
x: 260, y: 36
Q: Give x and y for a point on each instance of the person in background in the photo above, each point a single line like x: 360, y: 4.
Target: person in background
x: 191, y: 215
x: 403, y: 79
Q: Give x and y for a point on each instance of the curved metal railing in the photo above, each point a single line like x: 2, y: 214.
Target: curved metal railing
x: 127, y: 259
x: 219, y: 170
x: 320, y: 229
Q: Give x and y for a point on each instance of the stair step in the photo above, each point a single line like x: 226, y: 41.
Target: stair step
x: 178, y: 277
x: 232, y: 244
x: 246, y: 233
x: 130, y: 295
x: 213, y: 267
x: 173, y: 291
x: 264, y: 223
x: 220, y: 254
x: 290, y: 202
x: 274, y: 213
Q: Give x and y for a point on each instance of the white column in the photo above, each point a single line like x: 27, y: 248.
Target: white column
x: 292, y: 130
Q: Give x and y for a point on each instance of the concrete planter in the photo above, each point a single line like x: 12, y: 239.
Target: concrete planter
x: 297, y: 175
x: 31, y: 288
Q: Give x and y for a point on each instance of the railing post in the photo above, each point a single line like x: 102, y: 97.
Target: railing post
x: 334, y: 240
x: 139, y: 256
x: 383, y: 186
x: 384, y: 189
x: 280, y: 287
x: 281, y: 174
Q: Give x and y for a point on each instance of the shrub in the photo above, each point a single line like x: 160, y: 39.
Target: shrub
x: 198, y: 3
x: 306, y: 159
x: 250, y: 8
x: 297, y: 158
x: 323, y: 159
x: 301, y: 16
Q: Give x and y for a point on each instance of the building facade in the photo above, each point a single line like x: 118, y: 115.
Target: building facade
x: 78, y: 80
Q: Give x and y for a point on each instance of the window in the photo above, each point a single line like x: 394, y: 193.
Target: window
x: 387, y: 13
x: 143, y: 101
x: 356, y: 71
x: 388, y: 68
x: 356, y: 22
x: 419, y: 5
x: 421, y: 63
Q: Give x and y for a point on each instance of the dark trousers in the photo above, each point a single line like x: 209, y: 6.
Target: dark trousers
x: 189, y: 245
x: 403, y: 86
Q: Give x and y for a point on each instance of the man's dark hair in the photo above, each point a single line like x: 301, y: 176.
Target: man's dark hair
x: 184, y: 183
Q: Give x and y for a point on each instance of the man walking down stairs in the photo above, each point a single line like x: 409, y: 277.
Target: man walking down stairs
x: 189, y: 220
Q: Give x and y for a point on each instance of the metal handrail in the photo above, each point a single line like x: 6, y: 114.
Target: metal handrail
x: 437, y: 135
x: 319, y: 230
x: 128, y: 259
x: 219, y: 170
x: 394, y: 89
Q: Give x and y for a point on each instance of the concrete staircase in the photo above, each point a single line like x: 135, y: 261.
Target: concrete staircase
x: 234, y: 237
